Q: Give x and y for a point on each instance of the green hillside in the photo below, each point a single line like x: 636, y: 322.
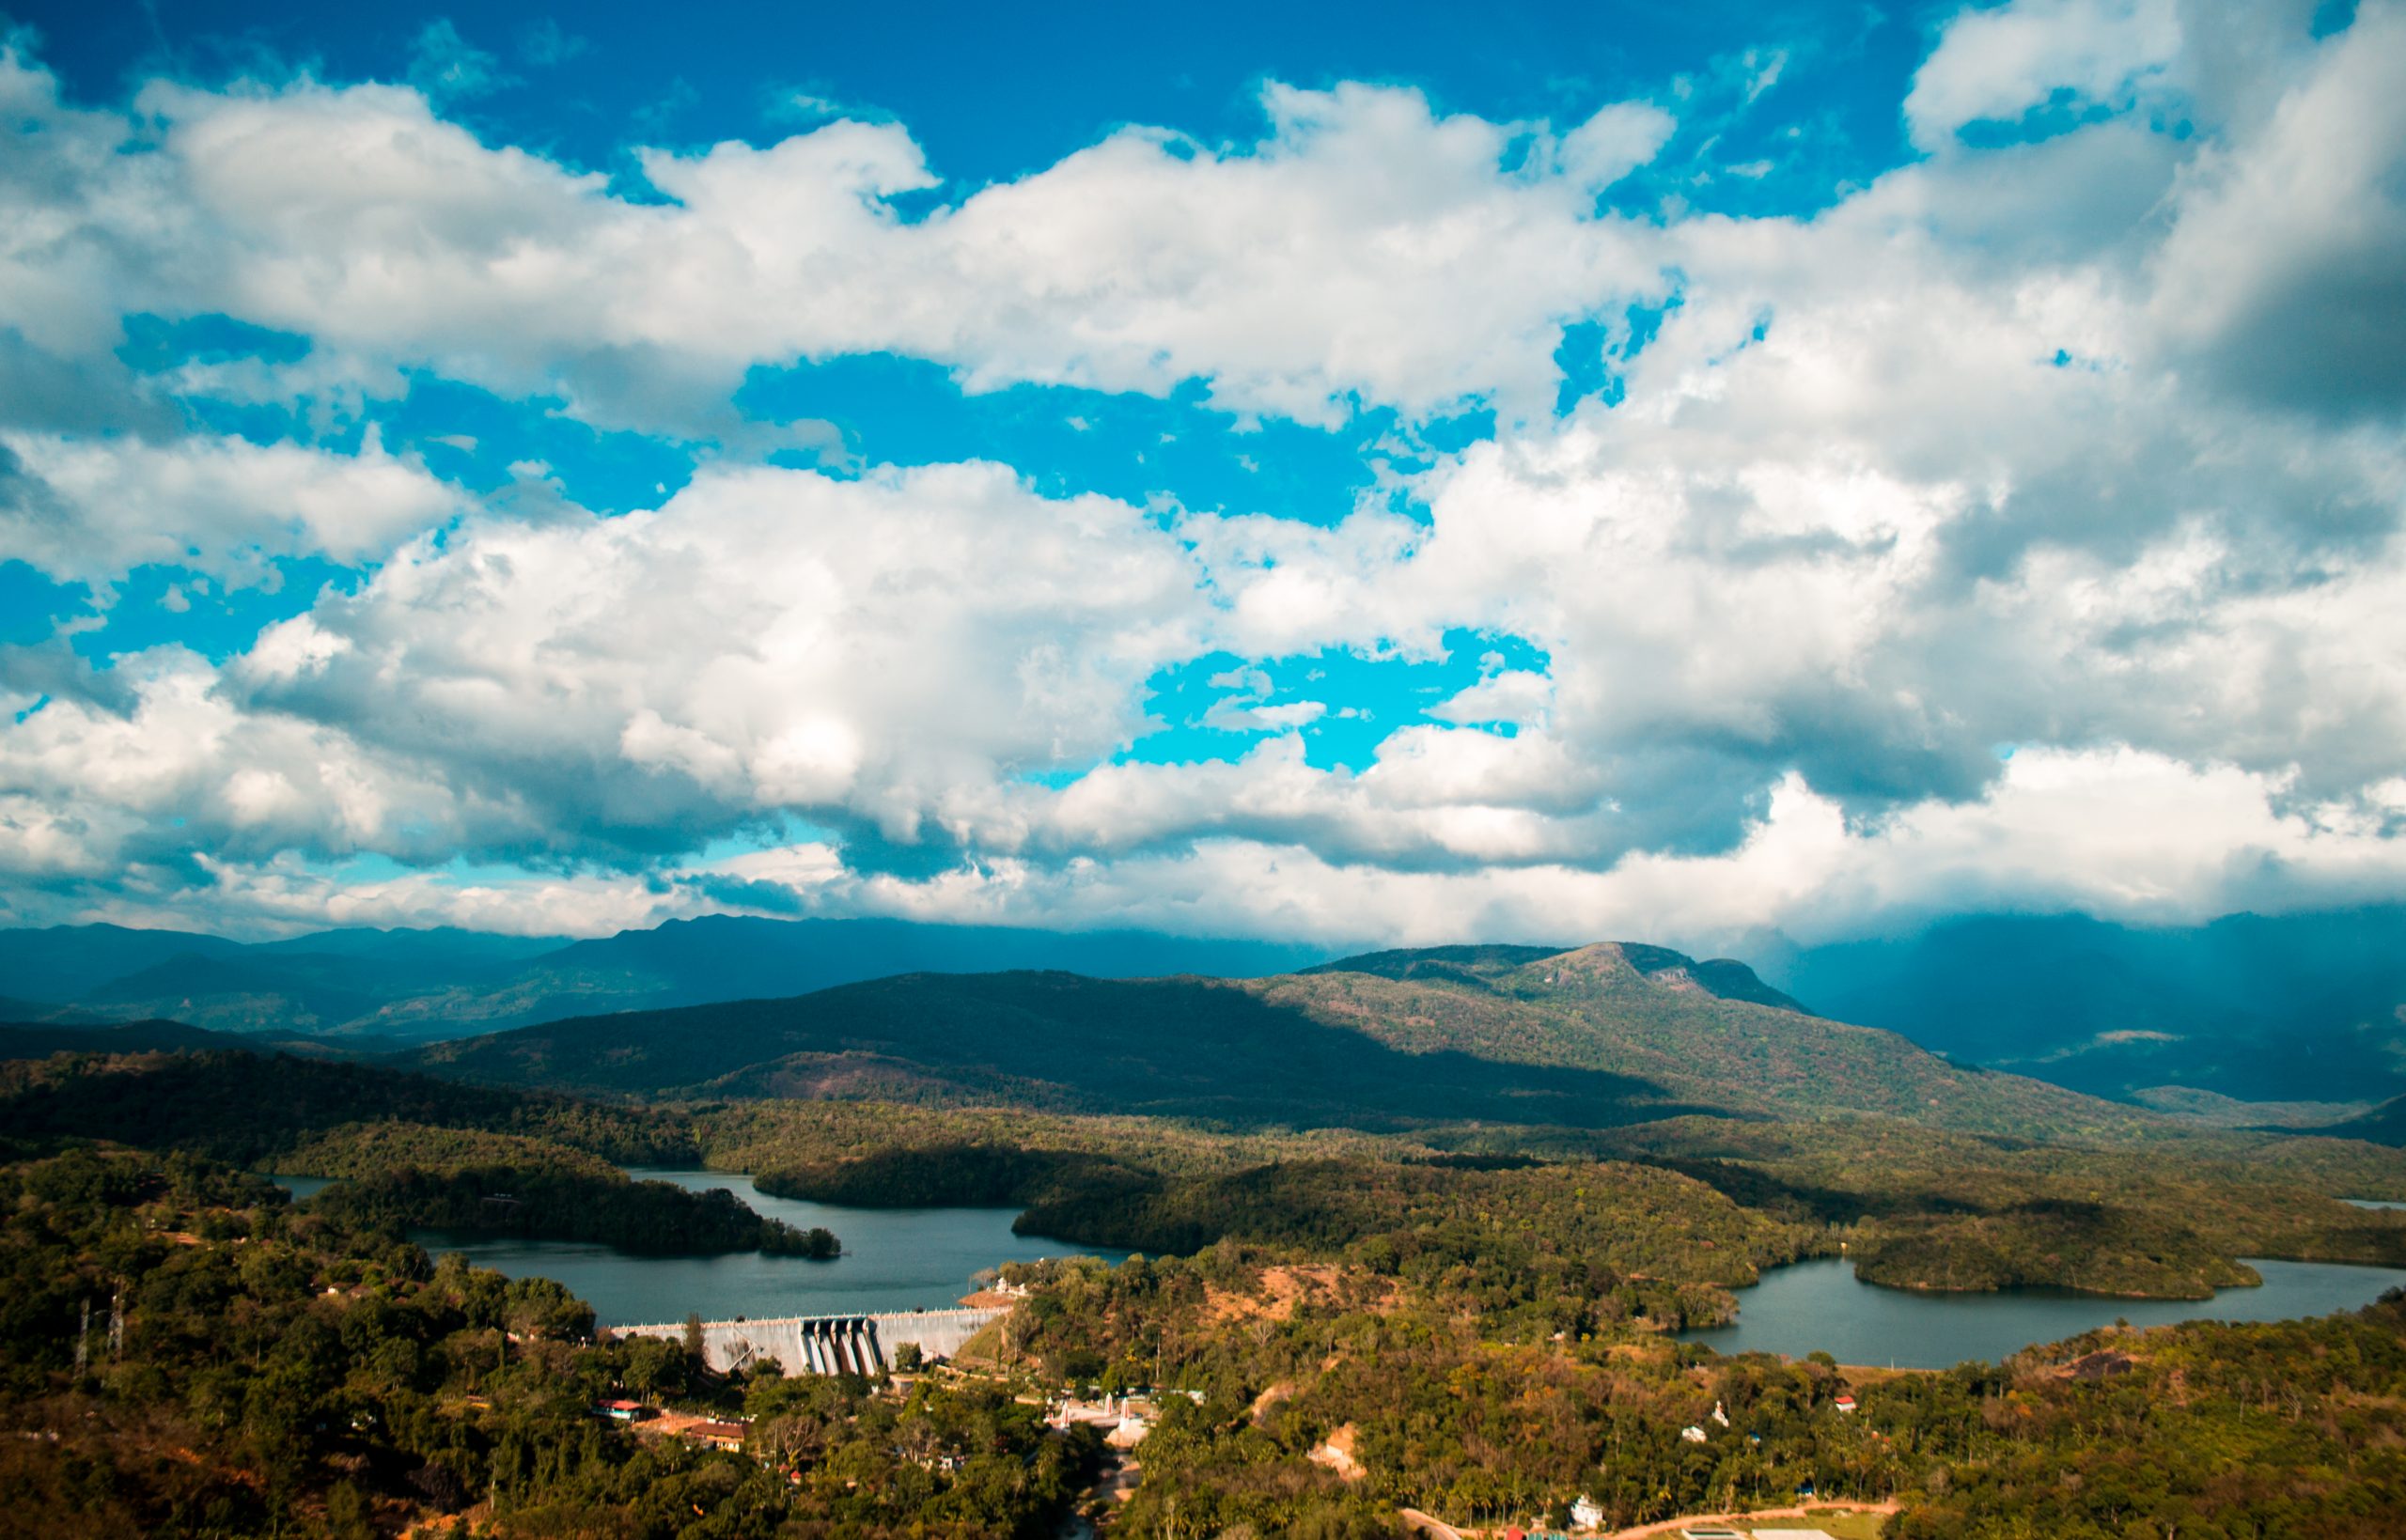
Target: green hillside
x: 1592, y: 1038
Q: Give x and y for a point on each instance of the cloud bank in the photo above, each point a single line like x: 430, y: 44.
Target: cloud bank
x: 2020, y: 529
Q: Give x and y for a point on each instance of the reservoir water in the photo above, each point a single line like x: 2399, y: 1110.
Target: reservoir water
x: 894, y: 1259
x: 1821, y: 1305
x: 924, y: 1258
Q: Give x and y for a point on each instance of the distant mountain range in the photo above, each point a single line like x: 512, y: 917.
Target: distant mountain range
x: 2307, y: 1009
x: 383, y: 989
x: 2262, y: 1008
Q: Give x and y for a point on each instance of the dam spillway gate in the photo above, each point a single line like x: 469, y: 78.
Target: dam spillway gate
x: 827, y: 1344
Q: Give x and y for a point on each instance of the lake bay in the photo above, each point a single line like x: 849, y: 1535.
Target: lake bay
x: 1821, y: 1305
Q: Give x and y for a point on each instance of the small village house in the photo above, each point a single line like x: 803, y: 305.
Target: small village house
x: 725, y: 1436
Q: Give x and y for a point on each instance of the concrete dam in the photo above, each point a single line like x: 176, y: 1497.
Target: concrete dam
x: 827, y: 1344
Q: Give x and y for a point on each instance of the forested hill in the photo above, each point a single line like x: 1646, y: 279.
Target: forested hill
x: 1592, y: 1036
x: 250, y: 1108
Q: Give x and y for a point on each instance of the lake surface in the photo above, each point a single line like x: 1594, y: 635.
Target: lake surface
x: 1821, y: 1305
x: 2373, y: 1202
x: 894, y: 1259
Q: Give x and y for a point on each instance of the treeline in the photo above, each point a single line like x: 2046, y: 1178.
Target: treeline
x: 371, y: 1149
x: 1923, y: 1208
x: 553, y: 1203
x: 1572, y: 1233
x: 2293, y: 1427
x: 958, y: 1176
x: 248, y: 1108
x: 279, y: 1372
x: 1918, y: 1207
x: 2060, y: 1242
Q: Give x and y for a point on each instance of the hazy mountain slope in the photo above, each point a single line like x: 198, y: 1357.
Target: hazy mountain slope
x: 444, y: 945
x: 434, y: 984
x: 1583, y: 1037
x: 2303, y: 1007
x: 61, y: 963
x: 729, y: 958
x: 726, y: 957
x: 241, y: 993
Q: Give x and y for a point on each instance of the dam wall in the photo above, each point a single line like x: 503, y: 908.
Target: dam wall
x: 826, y: 1345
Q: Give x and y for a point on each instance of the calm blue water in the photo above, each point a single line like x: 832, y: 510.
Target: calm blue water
x: 1821, y: 1305
x: 894, y: 1259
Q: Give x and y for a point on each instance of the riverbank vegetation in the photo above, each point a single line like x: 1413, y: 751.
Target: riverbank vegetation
x: 551, y: 1204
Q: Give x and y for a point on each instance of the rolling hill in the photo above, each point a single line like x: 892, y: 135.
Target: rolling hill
x: 1593, y: 1036
x: 40, y: 1039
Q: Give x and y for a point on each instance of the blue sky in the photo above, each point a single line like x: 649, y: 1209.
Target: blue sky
x: 995, y: 95
x: 1377, y: 473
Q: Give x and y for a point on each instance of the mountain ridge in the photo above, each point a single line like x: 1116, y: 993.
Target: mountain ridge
x: 1589, y: 1037
x: 441, y: 983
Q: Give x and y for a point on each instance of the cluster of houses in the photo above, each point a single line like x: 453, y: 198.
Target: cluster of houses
x: 700, y: 1431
